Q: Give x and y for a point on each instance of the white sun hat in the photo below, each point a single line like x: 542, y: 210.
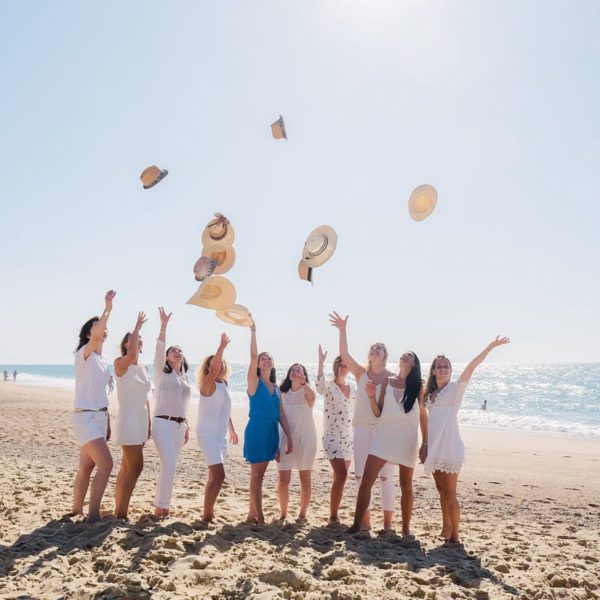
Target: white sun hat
x: 216, y: 293
x: 319, y: 246
x: 236, y: 314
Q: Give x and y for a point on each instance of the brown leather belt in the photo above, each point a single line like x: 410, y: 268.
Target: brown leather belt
x: 168, y: 418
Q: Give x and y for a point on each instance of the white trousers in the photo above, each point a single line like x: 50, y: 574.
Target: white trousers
x: 168, y: 438
x: 363, y: 436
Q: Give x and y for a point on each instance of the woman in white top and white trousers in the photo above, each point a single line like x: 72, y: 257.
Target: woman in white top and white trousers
x: 214, y: 420
x: 170, y: 430
x: 443, y: 452
x: 133, y: 419
x: 91, y: 424
x: 364, y: 421
x: 399, y: 409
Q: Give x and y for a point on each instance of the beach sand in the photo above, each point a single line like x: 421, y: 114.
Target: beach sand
x: 530, y: 525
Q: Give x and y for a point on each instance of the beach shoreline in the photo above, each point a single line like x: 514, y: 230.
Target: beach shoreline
x: 530, y: 524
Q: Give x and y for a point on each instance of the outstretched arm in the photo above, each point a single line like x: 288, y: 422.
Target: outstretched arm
x: 253, y: 366
x: 424, y: 423
x: 337, y: 321
x: 466, y: 374
x: 286, y: 429
x: 215, y: 367
x: 159, y: 355
x: 98, y: 328
x: 122, y: 363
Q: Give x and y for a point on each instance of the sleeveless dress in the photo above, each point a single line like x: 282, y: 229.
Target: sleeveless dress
x: 337, y: 419
x: 445, y: 448
x: 213, y: 419
x: 303, y: 431
x: 396, y: 438
x: 261, y: 436
x: 132, y: 419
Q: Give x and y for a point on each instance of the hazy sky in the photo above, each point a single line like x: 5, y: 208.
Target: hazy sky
x: 496, y: 104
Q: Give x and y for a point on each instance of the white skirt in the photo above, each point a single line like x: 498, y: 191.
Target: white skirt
x: 88, y: 426
x: 213, y: 448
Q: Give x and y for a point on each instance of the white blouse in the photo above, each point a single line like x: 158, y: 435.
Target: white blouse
x: 172, y: 391
x: 91, y: 379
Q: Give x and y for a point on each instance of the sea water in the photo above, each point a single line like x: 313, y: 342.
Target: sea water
x: 561, y: 398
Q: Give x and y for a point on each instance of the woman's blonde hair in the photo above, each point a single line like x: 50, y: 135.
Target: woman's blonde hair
x: 385, y: 354
x: 204, y: 368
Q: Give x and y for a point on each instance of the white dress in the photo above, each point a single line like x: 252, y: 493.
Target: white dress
x: 213, y: 419
x: 303, y: 431
x: 132, y: 419
x: 337, y: 419
x: 396, y: 437
x: 445, y: 449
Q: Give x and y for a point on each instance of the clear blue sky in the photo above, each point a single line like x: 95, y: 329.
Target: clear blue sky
x: 495, y: 103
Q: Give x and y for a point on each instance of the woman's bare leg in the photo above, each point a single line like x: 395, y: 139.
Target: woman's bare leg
x: 132, y: 464
x: 450, y: 481
x: 283, y: 492
x: 406, y: 500
x: 305, y: 492
x: 446, y: 522
x: 216, y: 477
x: 340, y: 474
x: 372, y: 467
x: 257, y: 474
x: 99, y: 453
x: 82, y: 480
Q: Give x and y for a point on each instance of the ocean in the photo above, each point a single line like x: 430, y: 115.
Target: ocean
x: 562, y: 398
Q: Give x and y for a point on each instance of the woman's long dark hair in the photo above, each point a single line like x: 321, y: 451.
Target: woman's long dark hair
x: 84, y: 334
x: 272, y: 374
x: 168, y: 368
x: 432, y: 385
x: 412, y: 389
x: 286, y: 384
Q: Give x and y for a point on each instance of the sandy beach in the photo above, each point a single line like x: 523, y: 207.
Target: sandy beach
x: 530, y: 525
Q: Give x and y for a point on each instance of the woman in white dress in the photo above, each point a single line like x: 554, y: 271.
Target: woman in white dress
x: 133, y: 419
x: 297, y: 399
x: 398, y: 408
x: 443, y: 451
x: 170, y: 430
x: 214, y: 420
x: 364, y: 421
x: 91, y: 424
x: 340, y: 396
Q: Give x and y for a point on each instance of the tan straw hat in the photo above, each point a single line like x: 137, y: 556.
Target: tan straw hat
x: 319, y: 246
x: 278, y: 129
x: 224, y: 257
x: 304, y: 271
x: 218, y: 232
x: 215, y: 293
x: 204, y: 268
x: 236, y: 314
x: 422, y: 201
x: 152, y: 175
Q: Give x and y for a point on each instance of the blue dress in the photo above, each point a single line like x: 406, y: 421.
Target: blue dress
x: 261, y: 437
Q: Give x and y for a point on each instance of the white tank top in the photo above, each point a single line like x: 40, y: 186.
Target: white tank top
x: 214, y: 412
x: 91, y: 379
x: 393, y: 409
x: 133, y: 388
x: 363, y: 415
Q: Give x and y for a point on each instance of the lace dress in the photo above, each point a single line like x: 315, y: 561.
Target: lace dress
x: 445, y: 448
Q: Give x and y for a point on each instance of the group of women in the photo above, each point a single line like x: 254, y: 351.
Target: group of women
x: 374, y: 423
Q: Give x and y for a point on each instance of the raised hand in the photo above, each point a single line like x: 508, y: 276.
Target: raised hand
x: 499, y: 341
x: 253, y: 326
x: 322, y: 355
x: 224, y: 341
x: 164, y: 317
x: 108, y: 299
x: 337, y: 321
x: 141, y: 319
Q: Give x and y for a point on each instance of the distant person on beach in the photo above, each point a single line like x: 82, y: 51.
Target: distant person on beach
x: 15, y: 375
x: 133, y: 425
x: 261, y: 436
x: 399, y: 409
x: 298, y: 399
x: 445, y: 452
x: 5, y: 375
x: 91, y: 423
x: 170, y: 428
x: 484, y: 405
x: 214, y: 422
x: 364, y: 421
x: 339, y: 399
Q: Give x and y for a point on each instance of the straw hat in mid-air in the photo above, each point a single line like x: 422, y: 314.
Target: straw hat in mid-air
x: 422, y: 201
x: 152, y: 175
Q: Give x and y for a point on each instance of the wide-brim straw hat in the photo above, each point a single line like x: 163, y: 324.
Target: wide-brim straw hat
x: 278, y: 129
x: 319, y: 246
x: 215, y: 293
x: 204, y: 268
x: 152, y: 175
x: 304, y: 271
x: 422, y: 201
x: 224, y: 257
x: 218, y: 232
x: 236, y: 314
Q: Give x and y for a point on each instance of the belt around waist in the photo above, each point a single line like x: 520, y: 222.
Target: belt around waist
x: 80, y: 410
x: 168, y: 418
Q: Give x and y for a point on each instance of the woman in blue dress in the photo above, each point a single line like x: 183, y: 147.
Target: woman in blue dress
x: 261, y: 437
